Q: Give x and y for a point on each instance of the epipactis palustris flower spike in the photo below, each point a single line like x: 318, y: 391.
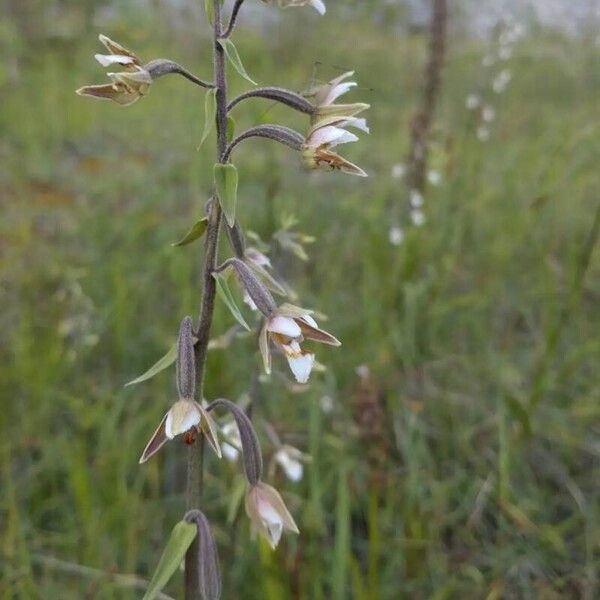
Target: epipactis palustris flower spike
x: 287, y: 327
x: 268, y: 513
x: 128, y: 86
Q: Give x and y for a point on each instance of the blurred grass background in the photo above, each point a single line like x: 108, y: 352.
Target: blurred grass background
x: 462, y: 464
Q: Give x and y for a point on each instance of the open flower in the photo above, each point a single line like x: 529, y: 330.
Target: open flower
x: 325, y: 95
x: 268, y: 513
x: 185, y: 417
x: 287, y: 327
x: 127, y: 86
x: 318, y: 5
x: 325, y: 135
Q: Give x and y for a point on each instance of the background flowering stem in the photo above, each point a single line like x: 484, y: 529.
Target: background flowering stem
x: 195, y: 452
x: 421, y: 123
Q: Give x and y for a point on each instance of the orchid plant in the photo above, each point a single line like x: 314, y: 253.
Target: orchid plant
x: 282, y: 327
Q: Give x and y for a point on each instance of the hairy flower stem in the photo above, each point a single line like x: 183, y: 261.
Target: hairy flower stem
x: 195, y: 453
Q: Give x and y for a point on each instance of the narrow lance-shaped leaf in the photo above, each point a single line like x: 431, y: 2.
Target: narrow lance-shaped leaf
x: 180, y: 540
x: 160, y: 365
x: 196, y: 232
x: 226, y: 183
x: 227, y: 297
x: 234, y: 58
x: 210, y: 113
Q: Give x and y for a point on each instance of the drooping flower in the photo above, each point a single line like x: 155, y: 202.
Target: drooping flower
x: 291, y: 460
x: 268, y: 513
x: 324, y: 97
x: 325, y: 135
x: 287, y: 327
x: 127, y: 86
x: 318, y: 5
x: 185, y: 417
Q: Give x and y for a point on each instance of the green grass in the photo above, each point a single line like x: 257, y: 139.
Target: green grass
x: 477, y: 477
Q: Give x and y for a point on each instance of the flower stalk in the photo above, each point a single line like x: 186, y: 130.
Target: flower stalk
x: 282, y: 328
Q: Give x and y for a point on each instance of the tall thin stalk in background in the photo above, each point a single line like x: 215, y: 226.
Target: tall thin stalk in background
x: 284, y: 327
x: 422, y: 121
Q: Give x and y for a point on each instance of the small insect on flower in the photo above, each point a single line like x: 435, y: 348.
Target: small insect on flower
x: 267, y: 512
x: 127, y: 86
x: 325, y: 135
x: 287, y: 327
x: 186, y: 418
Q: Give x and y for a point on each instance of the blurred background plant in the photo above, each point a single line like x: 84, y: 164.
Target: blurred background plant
x: 452, y: 446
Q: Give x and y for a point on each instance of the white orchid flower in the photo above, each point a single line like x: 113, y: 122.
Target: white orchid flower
x: 127, y: 86
x: 268, y: 513
x: 287, y: 327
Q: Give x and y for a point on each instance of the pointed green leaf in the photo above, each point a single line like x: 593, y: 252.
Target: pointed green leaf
x: 166, y: 361
x: 180, y: 540
x: 234, y: 58
x: 197, y: 231
x: 230, y: 128
x: 210, y: 113
x: 226, y: 182
x: 160, y: 365
x: 227, y: 297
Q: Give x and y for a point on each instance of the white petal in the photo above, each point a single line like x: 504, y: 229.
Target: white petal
x: 337, y: 91
x: 230, y: 452
x: 285, y: 326
x: 326, y: 135
x: 272, y: 521
x: 249, y: 301
x: 301, y: 366
x: 293, y: 468
x: 319, y: 6
x: 359, y: 124
x: 310, y: 321
x: 111, y: 59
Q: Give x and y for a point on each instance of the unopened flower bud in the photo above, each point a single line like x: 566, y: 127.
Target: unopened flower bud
x: 209, y: 573
x: 186, y: 361
x: 259, y: 294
